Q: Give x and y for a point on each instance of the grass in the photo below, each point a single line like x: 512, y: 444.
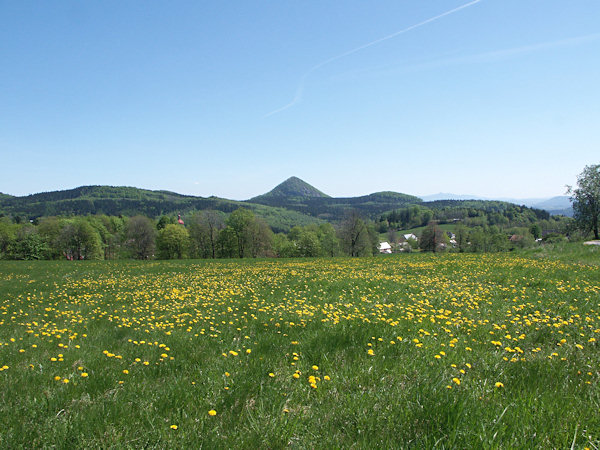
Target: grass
x: 417, y: 350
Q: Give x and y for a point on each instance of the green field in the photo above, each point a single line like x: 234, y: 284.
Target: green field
x: 415, y: 350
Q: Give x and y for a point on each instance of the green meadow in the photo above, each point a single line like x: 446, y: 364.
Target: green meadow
x: 415, y: 350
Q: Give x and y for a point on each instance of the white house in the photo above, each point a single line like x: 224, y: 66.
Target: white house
x: 410, y: 236
x: 385, y: 247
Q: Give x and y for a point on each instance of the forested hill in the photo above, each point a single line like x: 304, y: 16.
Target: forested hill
x: 333, y: 209
x: 293, y: 202
x: 293, y: 187
x: 300, y: 196
x: 130, y: 201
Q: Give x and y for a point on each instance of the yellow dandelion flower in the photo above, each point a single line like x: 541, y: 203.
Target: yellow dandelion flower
x: 84, y: 374
x: 456, y: 381
x: 174, y: 427
x: 212, y: 412
x: 499, y: 385
x: 271, y: 374
x: 315, y: 367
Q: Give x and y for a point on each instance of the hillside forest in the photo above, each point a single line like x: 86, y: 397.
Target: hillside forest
x: 292, y: 220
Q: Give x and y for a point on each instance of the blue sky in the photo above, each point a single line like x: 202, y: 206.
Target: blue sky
x: 496, y: 98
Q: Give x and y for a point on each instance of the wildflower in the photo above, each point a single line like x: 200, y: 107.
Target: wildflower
x: 370, y: 352
x: 212, y: 412
x: 126, y: 372
x: 174, y: 427
x: 271, y: 374
x: 66, y: 380
x: 248, y: 351
x: 499, y: 385
x: 84, y: 374
x: 456, y: 380
x: 326, y: 378
x: 315, y: 367
x: 56, y: 378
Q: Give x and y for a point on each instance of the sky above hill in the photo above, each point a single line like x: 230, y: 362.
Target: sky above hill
x: 495, y: 98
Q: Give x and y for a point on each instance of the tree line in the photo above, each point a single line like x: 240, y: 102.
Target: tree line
x: 206, y: 234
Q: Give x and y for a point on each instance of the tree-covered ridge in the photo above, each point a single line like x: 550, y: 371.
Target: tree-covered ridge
x: 130, y: 201
x: 334, y: 208
x: 292, y: 203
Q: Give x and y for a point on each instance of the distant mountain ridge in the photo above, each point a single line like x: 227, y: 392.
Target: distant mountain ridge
x: 292, y: 202
x: 555, y: 205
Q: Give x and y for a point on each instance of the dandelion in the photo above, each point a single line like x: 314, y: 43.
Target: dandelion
x: 326, y: 378
x: 56, y: 378
x: 212, y: 412
x: 84, y: 374
x: 174, y: 427
x: 499, y: 385
x: 370, y: 352
x: 66, y: 380
x: 315, y: 367
x: 456, y: 381
x: 126, y: 372
x: 271, y: 374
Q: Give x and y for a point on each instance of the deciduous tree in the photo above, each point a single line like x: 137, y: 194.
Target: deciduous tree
x: 586, y: 199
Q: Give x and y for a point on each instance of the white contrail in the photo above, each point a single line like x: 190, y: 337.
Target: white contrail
x: 300, y: 88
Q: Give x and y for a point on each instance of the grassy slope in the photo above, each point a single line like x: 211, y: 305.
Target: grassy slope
x: 568, y: 252
x: 101, y: 316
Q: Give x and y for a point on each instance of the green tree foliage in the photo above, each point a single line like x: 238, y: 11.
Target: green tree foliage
x: 433, y: 238
x: 354, y: 235
x: 172, y: 242
x: 79, y: 240
x: 8, y: 235
x: 140, y: 237
x: 227, y: 246
x: 204, y: 228
x: 330, y: 244
x: 29, y: 245
x: 240, y: 222
x: 536, y: 230
x: 586, y: 199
